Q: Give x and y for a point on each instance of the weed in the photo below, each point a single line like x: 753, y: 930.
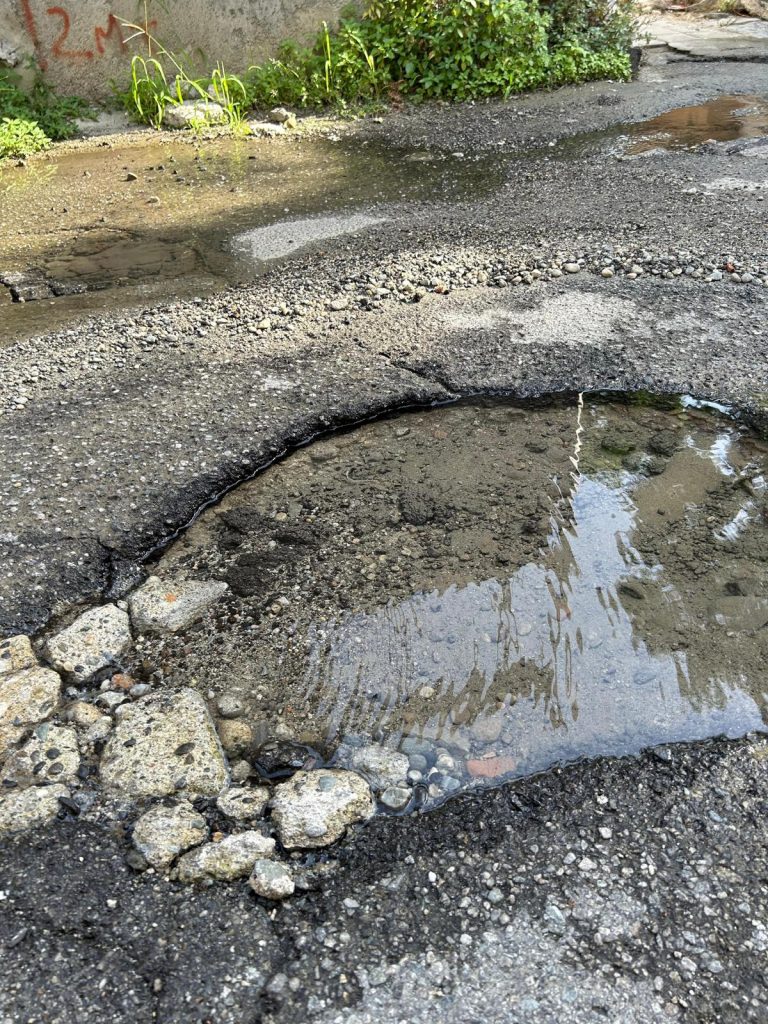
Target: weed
x: 20, y: 137
x: 55, y: 115
x: 462, y: 50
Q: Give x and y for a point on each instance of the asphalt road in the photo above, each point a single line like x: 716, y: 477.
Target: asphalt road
x: 513, y: 907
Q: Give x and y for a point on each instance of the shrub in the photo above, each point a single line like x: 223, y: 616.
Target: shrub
x: 54, y: 115
x: 450, y: 49
x: 19, y: 137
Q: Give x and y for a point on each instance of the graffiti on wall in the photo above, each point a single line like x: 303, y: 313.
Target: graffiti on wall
x: 56, y: 33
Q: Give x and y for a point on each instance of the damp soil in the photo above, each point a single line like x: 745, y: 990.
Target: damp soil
x: 86, y: 230
x: 494, y: 588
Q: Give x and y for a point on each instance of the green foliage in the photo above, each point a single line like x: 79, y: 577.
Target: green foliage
x: 55, y: 115
x: 150, y: 91
x: 20, y: 137
x: 450, y: 49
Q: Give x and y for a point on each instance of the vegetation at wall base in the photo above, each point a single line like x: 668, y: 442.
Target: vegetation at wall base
x: 32, y: 118
x: 454, y: 50
x: 450, y: 50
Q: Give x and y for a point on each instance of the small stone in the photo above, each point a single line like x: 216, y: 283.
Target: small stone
x: 279, y: 115
x: 585, y: 864
x: 16, y: 654
x: 235, y: 736
x: 26, y: 698
x: 162, y: 744
x: 233, y: 857
x: 130, y: 176
x: 244, y: 802
x: 95, y: 640
x: 24, y: 809
x: 309, y: 813
x: 571, y: 268
x: 607, y: 272
x: 382, y: 766
x: 271, y: 880
x: 163, y: 833
x: 396, y: 798
x: 162, y: 606
x: 338, y: 304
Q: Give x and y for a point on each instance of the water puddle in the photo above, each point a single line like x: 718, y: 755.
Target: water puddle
x: 491, y: 588
x: 88, y: 230
x: 725, y: 119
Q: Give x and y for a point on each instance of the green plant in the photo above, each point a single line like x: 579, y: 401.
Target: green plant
x: 55, y: 115
x: 19, y: 137
x: 150, y: 91
x: 450, y: 49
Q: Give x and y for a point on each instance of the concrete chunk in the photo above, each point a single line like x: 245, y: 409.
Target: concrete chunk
x: 314, y: 808
x: 231, y: 858
x: 95, y: 640
x: 164, y: 606
x: 162, y: 744
x: 26, y: 698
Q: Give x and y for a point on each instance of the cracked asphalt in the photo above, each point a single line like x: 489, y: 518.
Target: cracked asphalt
x: 628, y: 890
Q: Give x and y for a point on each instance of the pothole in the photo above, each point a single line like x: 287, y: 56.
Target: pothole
x: 722, y: 120
x: 489, y: 589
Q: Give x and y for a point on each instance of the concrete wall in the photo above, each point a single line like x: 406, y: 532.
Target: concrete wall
x: 82, y: 44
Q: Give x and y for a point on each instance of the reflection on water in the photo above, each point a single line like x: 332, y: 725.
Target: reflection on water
x: 497, y: 588
x: 720, y: 120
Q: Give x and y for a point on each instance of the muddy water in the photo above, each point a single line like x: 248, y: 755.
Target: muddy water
x: 82, y: 236
x: 494, y: 589
x: 724, y: 119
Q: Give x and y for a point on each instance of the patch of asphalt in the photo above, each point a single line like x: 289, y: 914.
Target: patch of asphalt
x: 536, y: 119
x: 95, y: 478
x: 629, y: 890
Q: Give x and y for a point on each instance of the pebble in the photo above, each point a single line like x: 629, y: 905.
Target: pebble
x: 244, y: 802
x: 271, y: 880
x: 571, y: 268
x: 16, y: 654
x: 396, y: 798
x: 24, y: 809
x: 382, y: 766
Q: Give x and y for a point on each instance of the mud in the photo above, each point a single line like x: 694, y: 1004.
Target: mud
x: 494, y: 588
x: 91, y: 229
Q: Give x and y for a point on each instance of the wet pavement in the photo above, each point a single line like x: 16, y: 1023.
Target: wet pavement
x: 494, y: 589
x: 624, y: 888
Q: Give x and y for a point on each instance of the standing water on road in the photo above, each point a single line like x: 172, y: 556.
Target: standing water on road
x: 492, y: 588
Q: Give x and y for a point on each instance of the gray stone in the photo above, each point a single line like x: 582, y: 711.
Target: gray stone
x: 265, y: 128
x: 271, y: 880
x: 165, y: 606
x: 382, y: 766
x: 95, y: 640
x: 182, y: 115
x: 162, y: 744
x: 571, y: 268
x: 26, y: 698
x: 51, y: 754
x: 314, y: 808
x: 233, y: 857
x: 23, y: 809
x: 279, y: 115
x: 164, y: 832
x: 244, y: 802
x: 396, y: 798
x: 16, y: 654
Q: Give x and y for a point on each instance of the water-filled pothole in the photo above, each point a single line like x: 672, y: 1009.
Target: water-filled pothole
x: 725, y: 119
x: 493, y: 588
